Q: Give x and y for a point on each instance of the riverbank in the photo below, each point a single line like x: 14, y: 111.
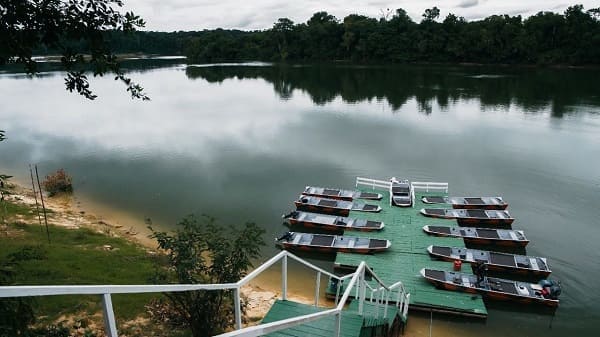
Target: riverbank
x: 66, y: 212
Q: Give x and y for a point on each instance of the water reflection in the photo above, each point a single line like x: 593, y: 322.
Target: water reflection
x: 220, y: 140
x: 533, y: 90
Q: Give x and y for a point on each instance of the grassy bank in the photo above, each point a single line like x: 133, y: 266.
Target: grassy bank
x: 74, y: 256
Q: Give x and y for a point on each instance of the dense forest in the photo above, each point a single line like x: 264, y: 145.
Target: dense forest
x: 544, y: 38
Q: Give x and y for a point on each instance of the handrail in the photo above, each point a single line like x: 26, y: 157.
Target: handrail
x: 426, y: 186
x: 372, y: 183
x: 357, y: 279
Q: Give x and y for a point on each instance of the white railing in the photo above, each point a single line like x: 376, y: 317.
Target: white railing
x: 428, y: 186
x: 373, y: 183
x: 356, y: 279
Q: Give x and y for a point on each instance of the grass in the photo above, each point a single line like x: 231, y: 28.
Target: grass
x: 76, y: 256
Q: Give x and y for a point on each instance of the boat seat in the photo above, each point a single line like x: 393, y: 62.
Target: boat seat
x: 488, y: 233
x: 440, y: 229
x: 322, y: 240
x: 297, y: 239
x: 375, y: 243
x: 351, y: 243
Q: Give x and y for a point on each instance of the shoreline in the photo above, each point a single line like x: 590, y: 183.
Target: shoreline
x: 63, y: 210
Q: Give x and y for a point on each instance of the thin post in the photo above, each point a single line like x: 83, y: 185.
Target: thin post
x: 284, y: 278
x: 43, y: 206
x: 387, y: 301
x: 337, y: 291
x: 318, y: 289
x: 238, y: 308
x: 363, y: 292
x: 37, y: 207
x: 338, y: 325
x: 110, y: 325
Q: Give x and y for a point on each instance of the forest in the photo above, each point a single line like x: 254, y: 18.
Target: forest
x: 546, y: 38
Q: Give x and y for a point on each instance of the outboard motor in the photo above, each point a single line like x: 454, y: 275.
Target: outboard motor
x: 292, y: 214
x: 286, y: 236
x: 552, y: 289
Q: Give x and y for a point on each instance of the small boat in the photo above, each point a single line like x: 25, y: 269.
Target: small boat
x: 332, y: 206
x: 336, y: 193
x: 470, y: 216
x: 468, y: 202
x: 481, y: 236
x: 501, y: 262
x: 400, y: 193
x: 332, y: 222
x: 544, y: 292
x: 332, y: 243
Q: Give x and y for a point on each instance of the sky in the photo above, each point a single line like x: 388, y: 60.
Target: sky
x: 174, y: 15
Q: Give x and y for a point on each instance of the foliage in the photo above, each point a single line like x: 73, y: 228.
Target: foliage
x: 201, y: 251
x: 75, y: 28
x: 16, y: 314
x: 545, y: 38
x: 59, y: 181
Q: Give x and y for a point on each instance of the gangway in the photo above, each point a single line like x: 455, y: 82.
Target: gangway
x: 375, y: 306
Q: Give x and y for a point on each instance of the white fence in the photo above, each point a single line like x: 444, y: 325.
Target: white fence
x: 373, y: 183
x: 428, y: 186
x: 380, y: 295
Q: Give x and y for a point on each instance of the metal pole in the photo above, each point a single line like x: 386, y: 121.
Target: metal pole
x: 238, y: 308
x: 387, y: 300
x: 363, y: 292
x: 37, y: 207
x: 43, y: 206
x: 284, y: 278
x: 318, y: 289
x: 337, y: 291
x: 110, y: 325
x: 338, y: 324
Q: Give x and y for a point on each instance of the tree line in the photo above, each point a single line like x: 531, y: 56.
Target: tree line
x: 544, y: 38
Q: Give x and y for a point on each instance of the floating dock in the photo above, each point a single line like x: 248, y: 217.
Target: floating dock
x: 408, y: 254
x: 352, y: 324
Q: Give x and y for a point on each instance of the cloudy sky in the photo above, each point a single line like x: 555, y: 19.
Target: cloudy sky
x: 170, y: 15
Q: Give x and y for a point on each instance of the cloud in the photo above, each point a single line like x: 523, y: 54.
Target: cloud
x: 468, y: 3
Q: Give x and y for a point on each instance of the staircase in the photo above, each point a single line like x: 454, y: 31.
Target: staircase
x: 383, y: 313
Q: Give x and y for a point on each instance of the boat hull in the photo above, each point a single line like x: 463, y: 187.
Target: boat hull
x: 489, y: 203
x: 493, y: 295
x: 320, y: 249
x: 499, y: 262
x: 464, y: 217
x: 331, y: 227
x: 322, y: 209
x: 480, y: 241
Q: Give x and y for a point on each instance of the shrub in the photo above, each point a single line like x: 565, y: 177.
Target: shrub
x: 59, y: 181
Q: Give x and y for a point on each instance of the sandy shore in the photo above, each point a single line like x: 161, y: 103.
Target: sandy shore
x: 66, y: 212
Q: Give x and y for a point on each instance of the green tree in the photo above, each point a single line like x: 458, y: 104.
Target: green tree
x: 75, y: 28
x: 16, y: 314
x: 201, y: 251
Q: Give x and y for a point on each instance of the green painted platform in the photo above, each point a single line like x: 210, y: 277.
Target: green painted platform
x: 352, y: 323
x: 408, y: 254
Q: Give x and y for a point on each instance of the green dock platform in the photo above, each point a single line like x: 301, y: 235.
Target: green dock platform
x: 352, y: 325
x: 408, y: 255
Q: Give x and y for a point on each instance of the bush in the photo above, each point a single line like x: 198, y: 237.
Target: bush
x: 58, y: 181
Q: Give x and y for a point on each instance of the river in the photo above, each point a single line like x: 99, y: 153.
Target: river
x: 239, y: 142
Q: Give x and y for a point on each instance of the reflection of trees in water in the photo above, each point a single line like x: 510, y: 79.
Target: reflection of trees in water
x: 534, y: 90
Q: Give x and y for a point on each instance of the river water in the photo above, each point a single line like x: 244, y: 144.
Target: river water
x: 239, y: 142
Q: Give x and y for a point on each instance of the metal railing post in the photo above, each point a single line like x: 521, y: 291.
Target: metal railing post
x: 385, y: 307
x: 363, y: 292
x: 238, y: 308
x: 110, y: 325
x: 317, y: 289
x: 340, y: 283
x: 338, y: 325
x: 284, y: 278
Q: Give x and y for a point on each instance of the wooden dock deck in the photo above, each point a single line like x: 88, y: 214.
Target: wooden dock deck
x: 352, y: 324
x: 408, y: 254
